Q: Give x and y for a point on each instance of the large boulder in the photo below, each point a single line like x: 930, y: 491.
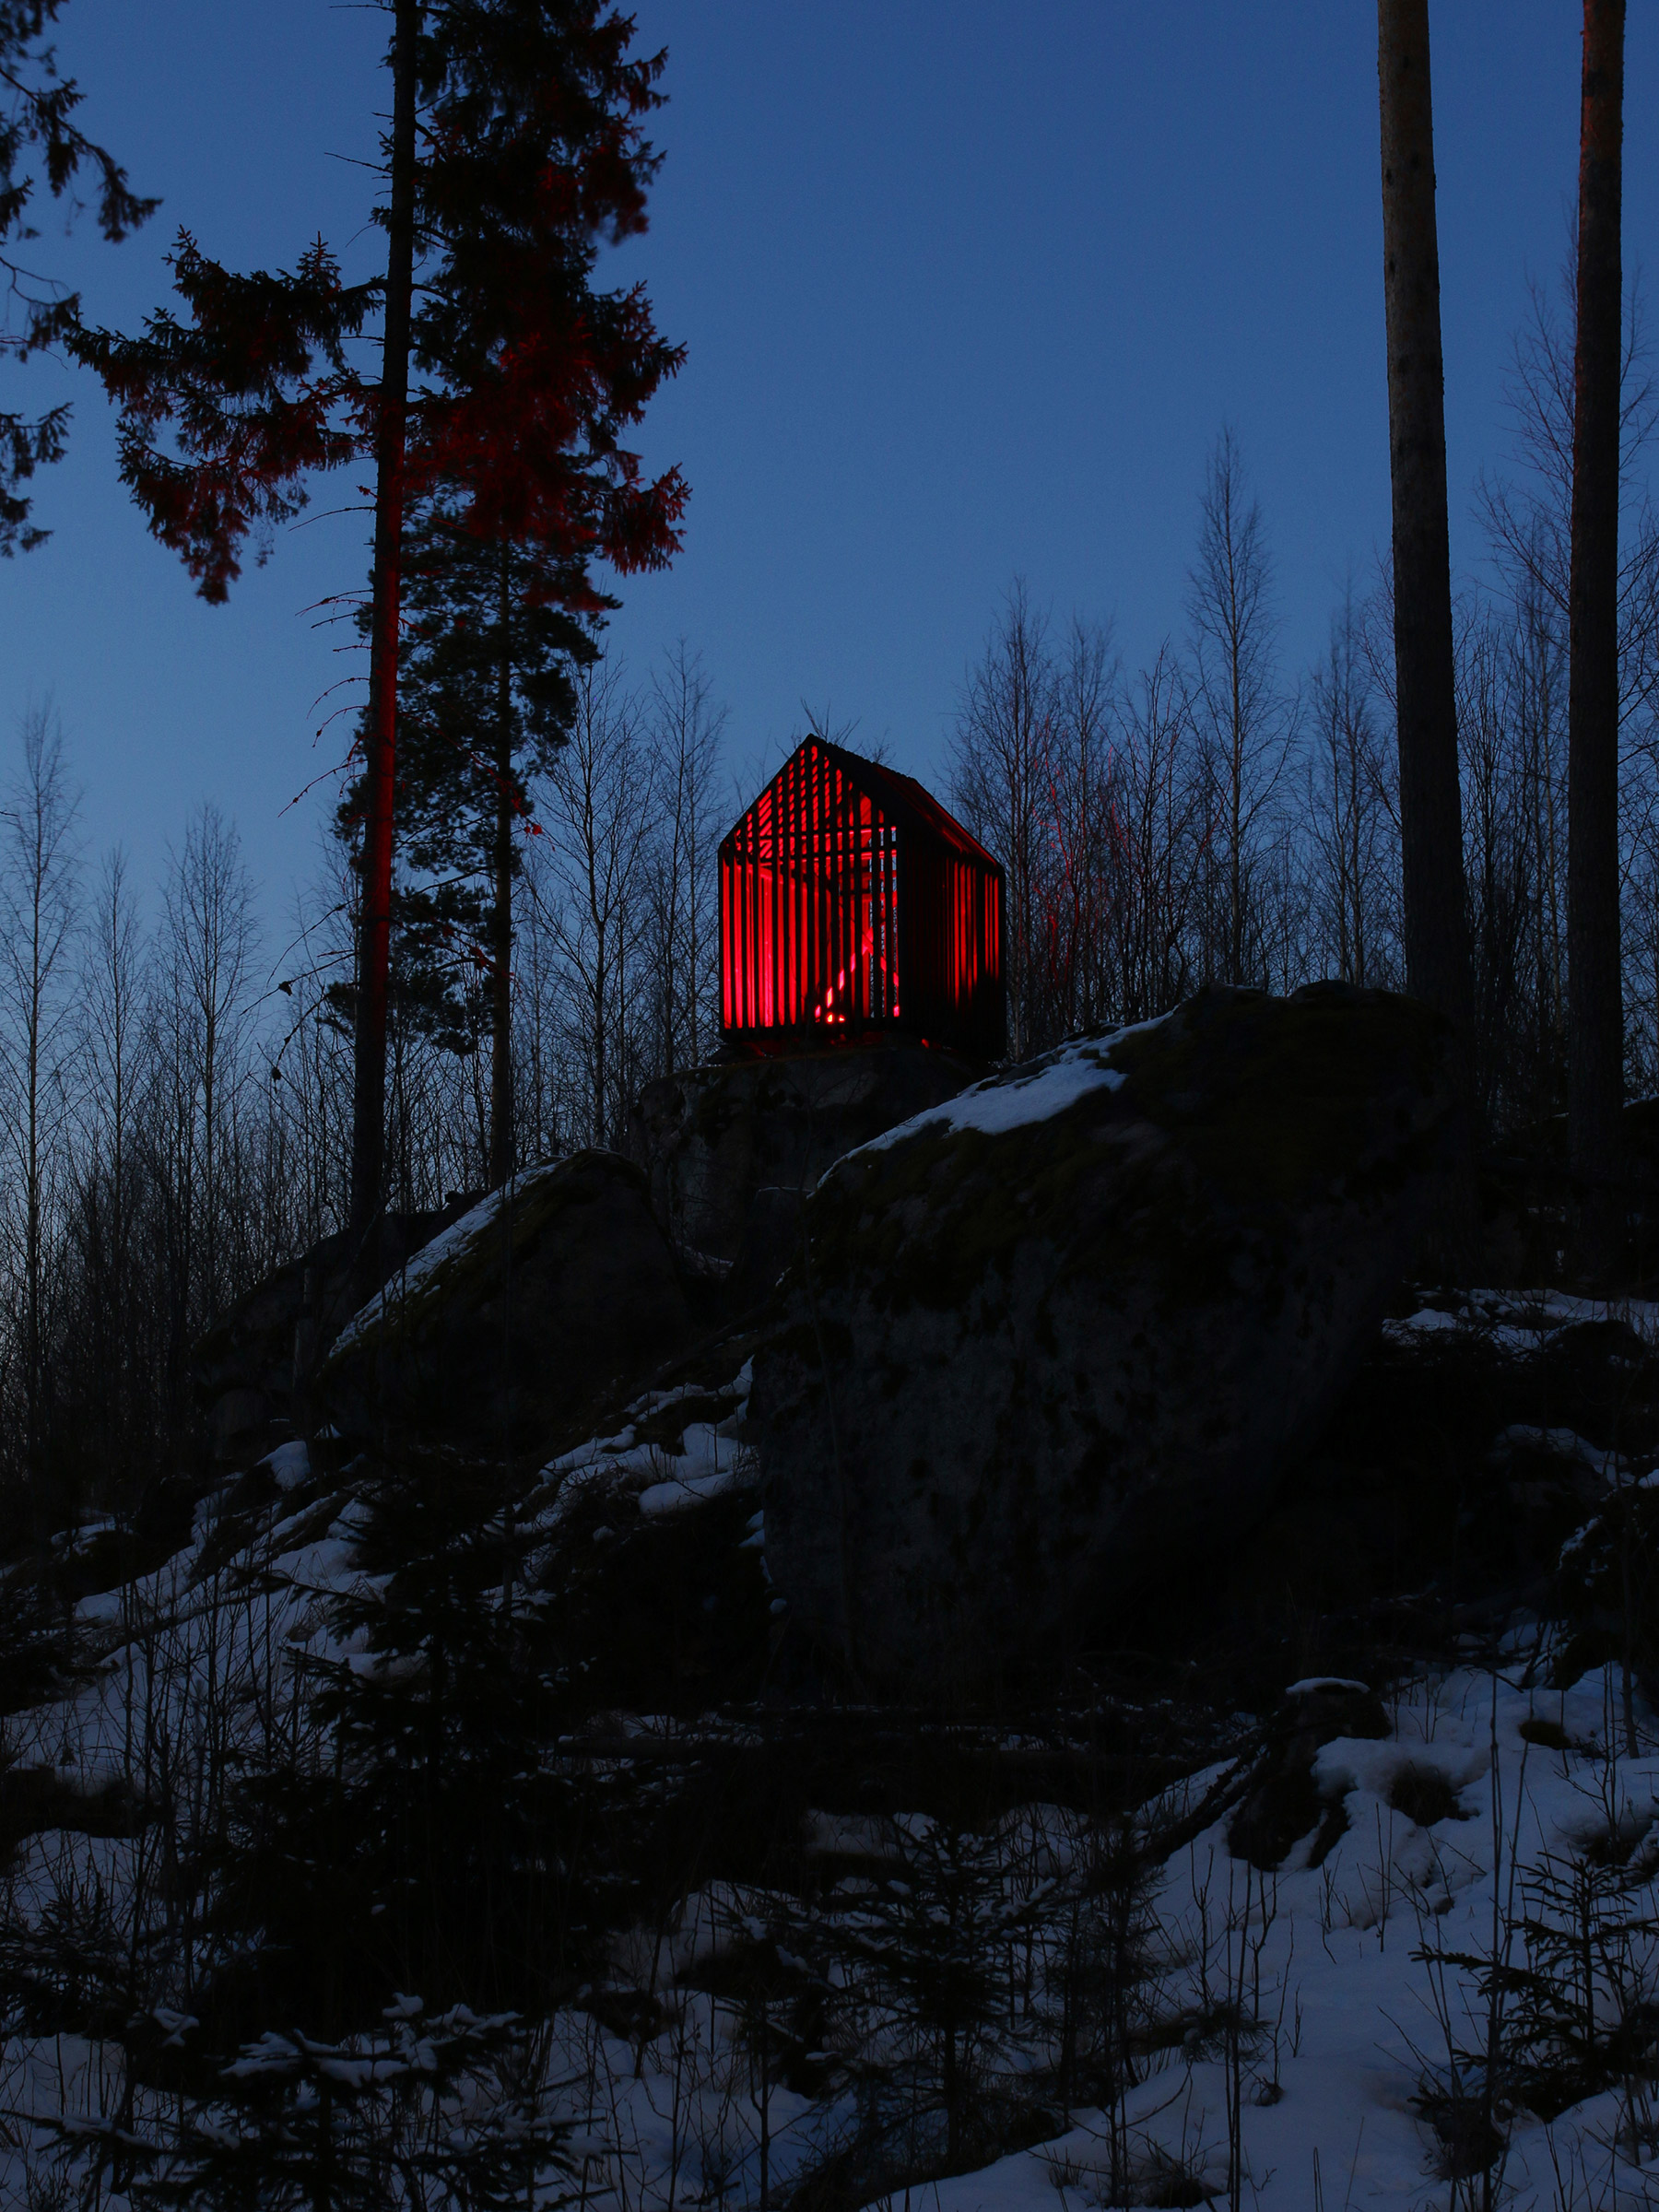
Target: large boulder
x: 546, y: 1298
x: 1052, y: 1340
x: 732, y: 1149
x: 252, y: 1372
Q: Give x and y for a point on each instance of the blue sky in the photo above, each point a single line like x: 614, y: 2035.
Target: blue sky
x: 968, y: 286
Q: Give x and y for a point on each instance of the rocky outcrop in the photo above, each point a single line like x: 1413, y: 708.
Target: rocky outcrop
x: 1056, y: 1337
x: 732, y: 1149
x: 1282, y: 1801
x: 251, y: 1371
x: 542, y: 1299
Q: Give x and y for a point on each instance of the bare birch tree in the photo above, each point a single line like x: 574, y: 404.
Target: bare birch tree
x: 1351, y: 819
x: 601, y: 792
x: 109, y: 1182
x: 39, y: 897
x: 202, y: 978
x: 1159, y: 823
x: 687, y: 725
x: 1075, y: 892
x: 1002, y: 778
x: 1245, y: 723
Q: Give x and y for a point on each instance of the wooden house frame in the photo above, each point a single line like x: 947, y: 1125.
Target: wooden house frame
x: 852, y: 905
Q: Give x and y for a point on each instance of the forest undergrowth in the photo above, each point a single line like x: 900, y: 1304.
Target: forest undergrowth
x: 415, y: 1832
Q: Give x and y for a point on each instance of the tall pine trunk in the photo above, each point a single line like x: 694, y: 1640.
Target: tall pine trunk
x: 374, y: 929
x: 1596, y: 1044
x: 501, y: 1144
x: 1436, y: 929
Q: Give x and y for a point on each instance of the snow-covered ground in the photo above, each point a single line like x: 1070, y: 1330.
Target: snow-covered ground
x: 1315, y: 2036
x: 1359, y: 1980
x: 1366, y: 2027
x: 1519, y: 1321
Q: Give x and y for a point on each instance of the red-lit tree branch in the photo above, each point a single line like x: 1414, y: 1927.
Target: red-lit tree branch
x: 531, y: 154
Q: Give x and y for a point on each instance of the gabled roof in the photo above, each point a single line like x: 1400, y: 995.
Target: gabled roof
x: 904, y: 801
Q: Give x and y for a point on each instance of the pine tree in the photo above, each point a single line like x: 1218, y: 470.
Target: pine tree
x: 532, y: 154
x: 1435, y: 927
x: 41, y: 142
x: 928, y: 1953
x: 1597, y: 1035
x: 529, y: 477
x: 390, y: 416
x: 485, y: 696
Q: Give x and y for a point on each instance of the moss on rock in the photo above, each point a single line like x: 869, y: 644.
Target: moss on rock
x: 1032, y: 1360
x: 543, y: 1300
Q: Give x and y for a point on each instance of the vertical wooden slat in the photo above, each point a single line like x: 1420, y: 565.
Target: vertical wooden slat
x: 827, y: 880
x: 801, y: 860
x: 853, y: 870
x: 785, y: 830
x: 723, y: 878
x: 842, y: 872
x: 803, y: 863
x: 823, y: 935
x: 812, y: 867
x: 810, y: 978
x: 875, y: 958
x: 800, y: 791
x: 730, y: 970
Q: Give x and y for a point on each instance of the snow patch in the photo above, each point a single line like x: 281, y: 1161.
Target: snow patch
x: 1521, y: 1321
x: 707, y: 1466
x: 289, y: 1465
x: 711, y: 1459
x: 1035, y: 1092
x: 422, y: 1264
x: 1559, y: 1443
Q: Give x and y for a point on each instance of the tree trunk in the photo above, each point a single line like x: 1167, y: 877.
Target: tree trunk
x: 502, y: 1146
x: 34, y: 1388
x: 1436, y: 929
x: 1597, y: 1049
x: 374, y: 927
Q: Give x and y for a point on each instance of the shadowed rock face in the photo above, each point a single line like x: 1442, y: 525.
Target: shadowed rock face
x: 255, y: 1367
x: 732, y: 1150
x: 1051, y: 1338
x: 531, y: 1307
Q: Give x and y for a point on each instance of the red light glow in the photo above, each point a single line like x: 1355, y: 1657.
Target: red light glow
x: 841, y: 876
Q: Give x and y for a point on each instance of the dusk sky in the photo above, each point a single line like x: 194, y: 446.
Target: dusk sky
x: 967, y: 289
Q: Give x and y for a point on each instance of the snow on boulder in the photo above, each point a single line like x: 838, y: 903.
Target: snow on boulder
x: 1063, y: 1332
x: 289, y: 1465
x: 550, y: 1293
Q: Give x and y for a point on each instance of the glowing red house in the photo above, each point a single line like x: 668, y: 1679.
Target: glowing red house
x: 852, y: 905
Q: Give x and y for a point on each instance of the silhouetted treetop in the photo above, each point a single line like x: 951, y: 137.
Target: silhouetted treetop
x: 42, y: 143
